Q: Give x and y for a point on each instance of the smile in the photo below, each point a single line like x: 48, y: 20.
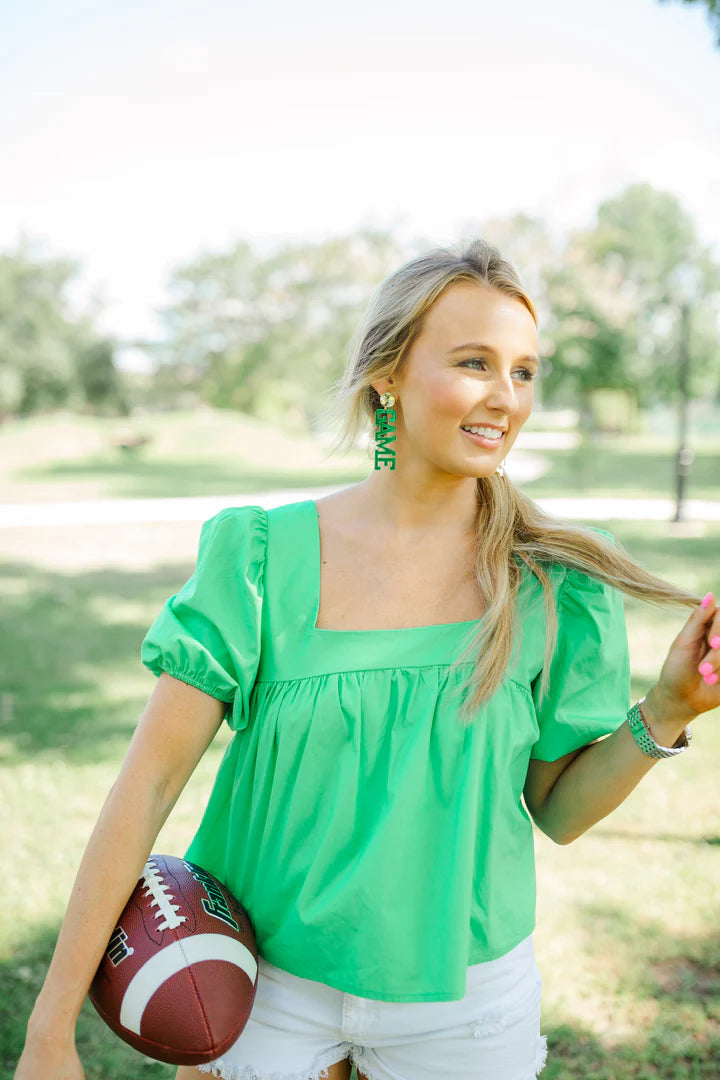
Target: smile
x: 490, y: 442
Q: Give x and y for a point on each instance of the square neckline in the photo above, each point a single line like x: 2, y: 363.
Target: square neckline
x: 434, y: 627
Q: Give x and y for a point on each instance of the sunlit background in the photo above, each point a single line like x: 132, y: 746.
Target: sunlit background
x: 196, y: 202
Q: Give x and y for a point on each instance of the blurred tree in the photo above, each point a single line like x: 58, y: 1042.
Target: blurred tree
x: 35, y: 359
x: 102, y: 385
x: 49, y: 356
x: 713, y: 13
x: 614, y: 320
x: 268, y: 334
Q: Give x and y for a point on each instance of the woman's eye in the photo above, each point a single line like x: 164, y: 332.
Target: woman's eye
x: 527, y: 373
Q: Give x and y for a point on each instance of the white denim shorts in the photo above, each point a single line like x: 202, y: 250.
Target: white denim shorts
x: 299, y: 1027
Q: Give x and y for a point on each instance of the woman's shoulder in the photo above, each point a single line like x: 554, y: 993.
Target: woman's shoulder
x: 233, y: 521
x: 572, y: 586
x: 235, y: 532
x: 250, y: 514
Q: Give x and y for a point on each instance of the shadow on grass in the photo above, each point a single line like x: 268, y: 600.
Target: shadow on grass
x: 680, y: 974
x: 141, y: 479
x: 576, y: 1054
x: 674, y: 558
x: 604, y: 469
x: 59, y: 637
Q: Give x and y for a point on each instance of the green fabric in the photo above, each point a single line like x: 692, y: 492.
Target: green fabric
x: 378, y: 845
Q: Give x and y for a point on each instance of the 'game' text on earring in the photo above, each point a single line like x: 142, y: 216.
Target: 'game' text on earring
x: 385, y: 420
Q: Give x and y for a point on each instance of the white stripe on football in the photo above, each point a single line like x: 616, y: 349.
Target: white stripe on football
x: 172, y: 959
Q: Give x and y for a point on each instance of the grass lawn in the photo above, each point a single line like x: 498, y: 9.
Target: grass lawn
x: 629, y: 467
x: 218, y: 452
x: 628, y: 932
x: 201, y: 453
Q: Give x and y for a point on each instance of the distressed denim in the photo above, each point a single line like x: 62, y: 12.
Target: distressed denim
x: 299, y: 1027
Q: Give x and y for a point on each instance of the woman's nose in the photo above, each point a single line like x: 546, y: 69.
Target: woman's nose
x: 502, y: 394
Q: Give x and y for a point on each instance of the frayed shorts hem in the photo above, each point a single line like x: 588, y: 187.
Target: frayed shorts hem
x: 357, y: 1056
x: 317, y: 1071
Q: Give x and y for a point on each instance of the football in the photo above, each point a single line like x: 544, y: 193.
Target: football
x: 178, y: 978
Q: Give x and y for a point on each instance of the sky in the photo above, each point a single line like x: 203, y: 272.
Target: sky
x: 137, y: 135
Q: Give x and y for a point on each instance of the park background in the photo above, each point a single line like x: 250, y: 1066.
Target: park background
x: 196, y: 205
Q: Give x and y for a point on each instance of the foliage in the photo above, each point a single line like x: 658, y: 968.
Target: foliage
x: 268, y: 334
x: 49, y: 356
x: 615, y: 307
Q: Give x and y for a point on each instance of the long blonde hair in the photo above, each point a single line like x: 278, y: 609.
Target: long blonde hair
x: 510, y: 526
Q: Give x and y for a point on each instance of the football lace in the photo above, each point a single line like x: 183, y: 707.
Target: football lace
x: 158, y: 889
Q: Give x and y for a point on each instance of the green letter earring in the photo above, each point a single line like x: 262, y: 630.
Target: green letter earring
x: 385, y: 424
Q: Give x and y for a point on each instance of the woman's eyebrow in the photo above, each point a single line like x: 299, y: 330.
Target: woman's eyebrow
x: 490, y: 349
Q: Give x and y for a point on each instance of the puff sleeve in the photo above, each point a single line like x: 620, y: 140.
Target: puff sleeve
x: 589, y: 682
x: 208, y: 634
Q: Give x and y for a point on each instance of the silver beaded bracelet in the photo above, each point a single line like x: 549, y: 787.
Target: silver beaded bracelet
x: 644, y: 737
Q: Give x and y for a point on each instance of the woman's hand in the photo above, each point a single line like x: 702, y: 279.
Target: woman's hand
x: 681, y: 682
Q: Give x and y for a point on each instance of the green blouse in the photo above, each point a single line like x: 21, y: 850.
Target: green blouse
x: 378, y: 845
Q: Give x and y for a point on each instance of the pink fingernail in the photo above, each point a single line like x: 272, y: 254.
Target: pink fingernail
x: 715, y: 642
x: 712, y: 679
x: 706, y: 599
x: 706, y: 668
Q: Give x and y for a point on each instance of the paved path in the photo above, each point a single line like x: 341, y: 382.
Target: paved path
x: 117, y: 511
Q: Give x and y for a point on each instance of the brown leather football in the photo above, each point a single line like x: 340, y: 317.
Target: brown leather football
x: 179, y: 975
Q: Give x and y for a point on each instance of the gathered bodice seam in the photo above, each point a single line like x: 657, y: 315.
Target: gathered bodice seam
x: 366, y: 671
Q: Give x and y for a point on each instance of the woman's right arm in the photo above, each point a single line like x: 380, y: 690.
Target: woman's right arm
x: 177, y: 725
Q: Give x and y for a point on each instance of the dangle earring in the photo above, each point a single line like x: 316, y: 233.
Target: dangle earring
x: 501, y: 468
x: 385, y: 419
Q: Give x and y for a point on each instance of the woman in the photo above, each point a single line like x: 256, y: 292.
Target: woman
x: 401, y: 662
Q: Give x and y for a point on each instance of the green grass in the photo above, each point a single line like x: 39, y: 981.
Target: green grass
x: 219, y: 452
x: 628, y: 933
x: 627, y: 467
x: 189, y: 453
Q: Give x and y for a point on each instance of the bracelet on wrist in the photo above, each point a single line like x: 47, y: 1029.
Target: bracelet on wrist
x: 645, y: 739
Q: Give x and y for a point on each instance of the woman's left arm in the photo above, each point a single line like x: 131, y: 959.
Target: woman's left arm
x: 599, y: 777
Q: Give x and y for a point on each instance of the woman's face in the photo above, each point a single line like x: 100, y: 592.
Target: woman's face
x: 447, y: 382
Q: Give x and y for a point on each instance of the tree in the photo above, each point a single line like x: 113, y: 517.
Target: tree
x: 269, y: 334
x: 614, y: 311
x: 49, y: 355
x: 102, y: 385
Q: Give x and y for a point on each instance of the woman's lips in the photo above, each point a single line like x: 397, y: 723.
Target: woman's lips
x: 480, y: 440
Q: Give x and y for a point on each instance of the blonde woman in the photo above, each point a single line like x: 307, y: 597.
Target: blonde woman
x: 415, y: 669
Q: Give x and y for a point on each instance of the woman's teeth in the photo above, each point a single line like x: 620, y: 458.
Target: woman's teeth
x: 486, y: 432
